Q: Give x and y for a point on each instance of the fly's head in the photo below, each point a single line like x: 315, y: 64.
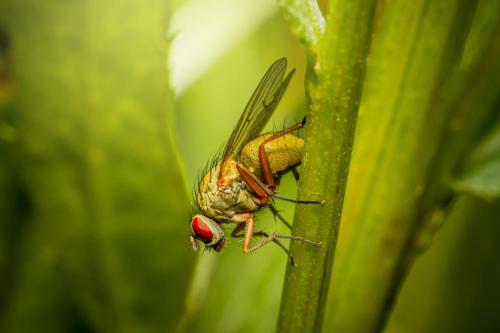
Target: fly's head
x: 208, y: 231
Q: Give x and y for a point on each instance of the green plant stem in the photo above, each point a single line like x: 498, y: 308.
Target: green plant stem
x: 417, y: 49
x: 334, y: 84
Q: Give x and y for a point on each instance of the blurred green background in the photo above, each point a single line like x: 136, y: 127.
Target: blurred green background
x: 99, y: 152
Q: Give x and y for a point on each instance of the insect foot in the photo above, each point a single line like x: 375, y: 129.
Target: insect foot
x: 298, y: 238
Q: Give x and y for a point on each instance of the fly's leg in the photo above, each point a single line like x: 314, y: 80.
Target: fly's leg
x: 295, y: 174
x: 277, y: 214
x: 314, y: 202
x: 263, y: 192
x: 249, y: 232
x: 264, y: 160
x: 274, y: 238
x: 247, y: 237
x: 266, y: 167
x: 237, y: 233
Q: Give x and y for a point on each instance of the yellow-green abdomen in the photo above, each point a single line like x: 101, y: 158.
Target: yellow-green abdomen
x: 282, y: 153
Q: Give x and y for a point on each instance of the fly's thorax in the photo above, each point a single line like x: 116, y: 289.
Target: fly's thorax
x: 222, y: 201
x: 282, y: 153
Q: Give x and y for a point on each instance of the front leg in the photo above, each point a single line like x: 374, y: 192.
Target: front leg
x: 249, y: 226
x: 249, y: 232
x: 237, y: 233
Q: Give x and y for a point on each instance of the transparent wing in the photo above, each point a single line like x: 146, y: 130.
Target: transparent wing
x: 259, y: 108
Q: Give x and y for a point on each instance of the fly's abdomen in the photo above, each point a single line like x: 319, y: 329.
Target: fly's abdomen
x: 282, y: 153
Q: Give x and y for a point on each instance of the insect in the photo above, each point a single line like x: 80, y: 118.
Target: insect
x: 244, y: 178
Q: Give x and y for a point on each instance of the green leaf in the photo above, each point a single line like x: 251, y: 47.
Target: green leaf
x: 482, y: 181
x: 95, y: 155
x: 453, y: 287
x: 482, y: 172
x: 306, y: 21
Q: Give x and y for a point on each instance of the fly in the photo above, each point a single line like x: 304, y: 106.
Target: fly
x: 244, y: 178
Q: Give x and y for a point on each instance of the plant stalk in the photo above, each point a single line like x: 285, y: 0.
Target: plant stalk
x: 334, y: 83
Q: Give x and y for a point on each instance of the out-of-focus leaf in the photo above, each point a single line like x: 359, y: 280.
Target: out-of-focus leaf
x: 108, y: 237
x: 482, y: 181
x: 202, y: 38
x: 403, y: 121
x: 454, y: 286
x: 482, y: 168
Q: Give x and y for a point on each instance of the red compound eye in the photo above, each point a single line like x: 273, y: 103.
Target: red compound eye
x: 201, y: 230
